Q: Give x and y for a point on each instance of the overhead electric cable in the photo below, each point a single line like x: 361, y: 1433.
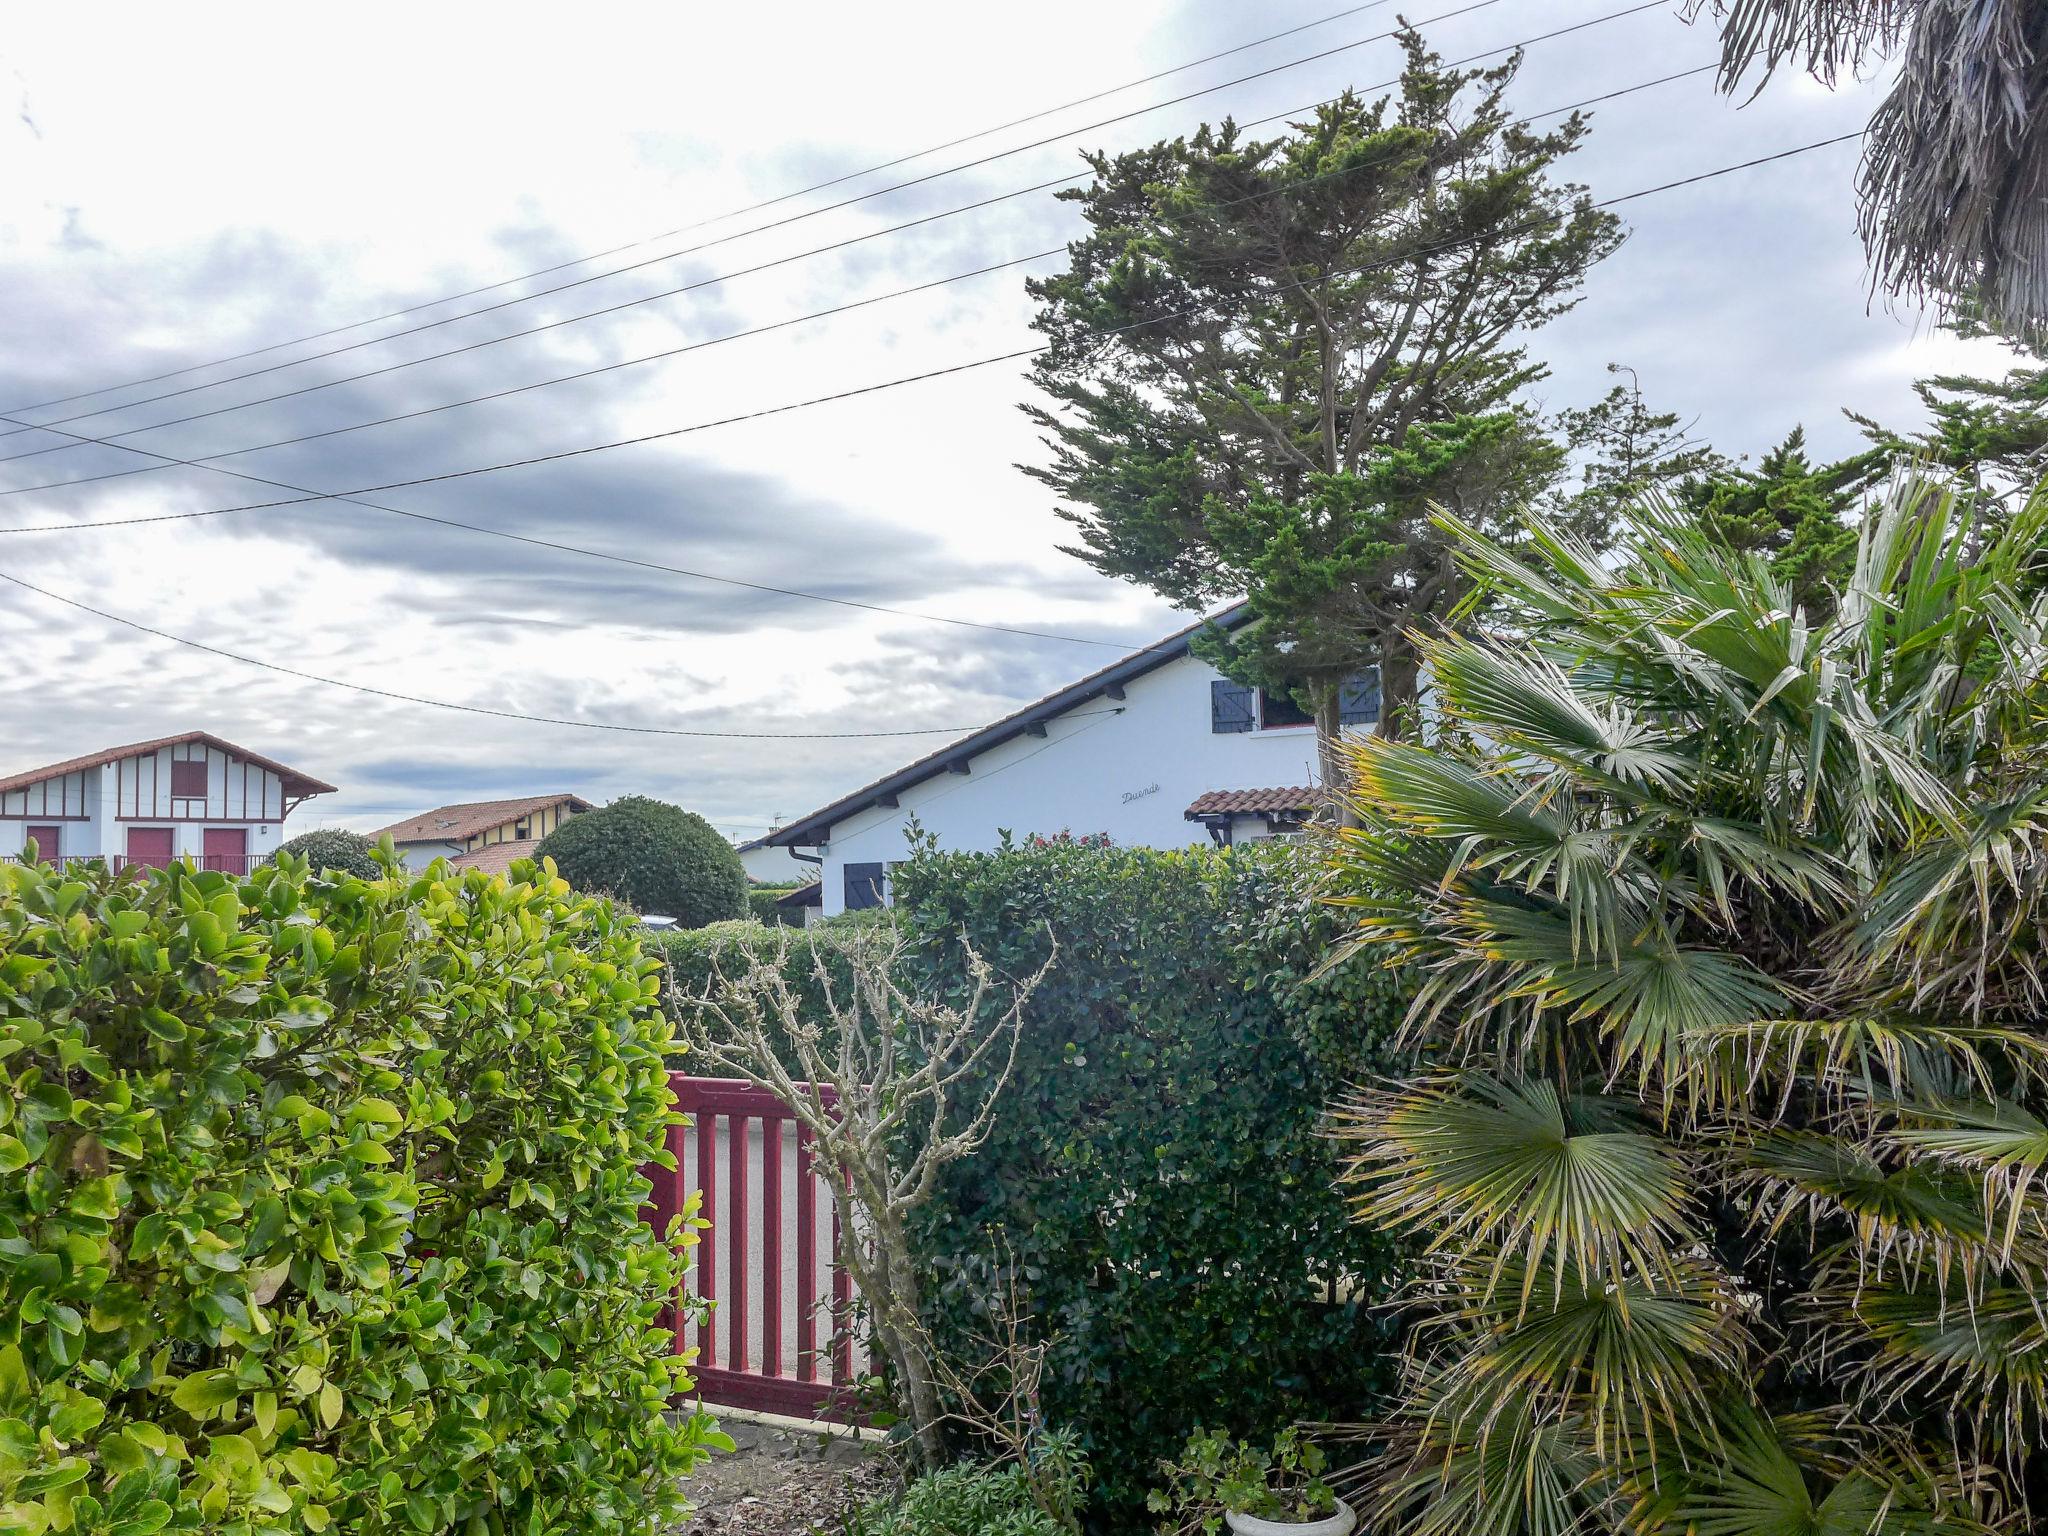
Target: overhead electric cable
x: 211, y: 460
x: 730, y: 213
x: 500, y: 714
x: 1472, y: 5
x: 865, y: 389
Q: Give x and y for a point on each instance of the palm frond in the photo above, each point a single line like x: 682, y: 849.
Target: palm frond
x: 1984, y: 1354
x: 2007, y: 1144
x: 1468, y: 1159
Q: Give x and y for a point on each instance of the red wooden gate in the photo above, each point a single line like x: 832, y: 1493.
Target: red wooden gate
x: 779, y: 1336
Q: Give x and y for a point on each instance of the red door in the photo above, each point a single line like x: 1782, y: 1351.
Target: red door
x: 48, y: 848
x: 226, y: 849
x: 150, y: 846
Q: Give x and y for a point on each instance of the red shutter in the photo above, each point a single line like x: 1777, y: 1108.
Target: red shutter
x: 188, y: 780
x: 48, y: 844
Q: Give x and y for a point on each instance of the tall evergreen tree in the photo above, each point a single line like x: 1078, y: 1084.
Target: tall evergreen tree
x: 1800, y: 515
x: 1269, y: 357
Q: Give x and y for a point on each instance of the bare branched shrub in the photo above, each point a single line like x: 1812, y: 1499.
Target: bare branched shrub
x: 892, y: 1087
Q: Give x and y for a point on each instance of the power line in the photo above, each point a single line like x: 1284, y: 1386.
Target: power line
x: 860, y: 390
x: 1472, y: 5
x: 169, y: 461
x: 731, y: 213
x: 478, y: 709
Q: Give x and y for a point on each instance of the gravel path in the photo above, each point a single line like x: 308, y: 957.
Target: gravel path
x: 784, y: 1483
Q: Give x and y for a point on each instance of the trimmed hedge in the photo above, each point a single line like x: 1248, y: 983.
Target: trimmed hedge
x: 336, y: 848
x: 320, y: 1208
x: 1159, y: 1172
x: 658, y: 858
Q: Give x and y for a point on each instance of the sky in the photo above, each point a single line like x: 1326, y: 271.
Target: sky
x: 175, y: 191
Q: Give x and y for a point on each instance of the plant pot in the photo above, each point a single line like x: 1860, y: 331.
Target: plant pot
x: 1339, y: 1524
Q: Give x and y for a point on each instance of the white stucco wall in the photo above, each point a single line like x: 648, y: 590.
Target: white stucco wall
x: 774, y: 866
x: 1132, y: 775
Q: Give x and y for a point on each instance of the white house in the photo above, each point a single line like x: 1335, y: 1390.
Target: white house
x: 191, y: 796
x: 481, y: 834
x: 769, y: 865
x: 1158, y: 750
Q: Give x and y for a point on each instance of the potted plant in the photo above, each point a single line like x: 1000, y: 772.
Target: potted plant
x: 1218, y: 1482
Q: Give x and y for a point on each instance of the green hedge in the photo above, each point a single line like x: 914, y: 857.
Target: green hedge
x: 1158, y: 1171
x: 320, y: 1208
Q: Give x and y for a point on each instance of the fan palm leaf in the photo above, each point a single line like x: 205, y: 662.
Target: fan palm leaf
x: 1542, y: 1181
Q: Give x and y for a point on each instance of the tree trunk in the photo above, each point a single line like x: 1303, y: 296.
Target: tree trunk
x: 1400, y: 687
x: 1330, y: 755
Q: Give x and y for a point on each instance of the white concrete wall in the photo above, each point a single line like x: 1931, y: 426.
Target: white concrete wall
x: 417, y: 856
x: 774, y: 866
x: 1132, y: 775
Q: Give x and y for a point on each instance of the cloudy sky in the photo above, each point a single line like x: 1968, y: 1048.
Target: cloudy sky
x: 180, y: 185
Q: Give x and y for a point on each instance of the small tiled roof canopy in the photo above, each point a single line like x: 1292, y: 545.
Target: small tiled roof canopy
x: 296, y: 784
x: 496, y: 858
x: 452, y: 823
x: 1296, y: 799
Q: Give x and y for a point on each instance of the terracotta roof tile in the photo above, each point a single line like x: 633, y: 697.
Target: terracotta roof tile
x: 452, y: 823
x: 295, y: 782
x: 1253, y: 802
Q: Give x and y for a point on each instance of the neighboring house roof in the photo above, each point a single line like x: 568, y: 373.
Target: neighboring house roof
x: 1254, y: 802
x: 1108, y: 682
x: 452, y: 823
x: 295, y: 783
x: 809, y: 894
x: 496, y: 858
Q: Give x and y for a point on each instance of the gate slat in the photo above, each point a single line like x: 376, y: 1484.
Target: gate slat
x: 771, y: 1245
x: 707, y: 1240
x: 806, y: 1259
x: 738, y: 1252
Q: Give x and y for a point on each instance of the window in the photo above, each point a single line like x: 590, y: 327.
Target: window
x: 188, y: 780
x: 864, y: 885
x: 1277, y: 710
x: 523, y: 831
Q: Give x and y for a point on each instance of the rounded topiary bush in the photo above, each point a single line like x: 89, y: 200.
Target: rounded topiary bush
x: 321, y: 1208
x: 658, y: 858
x: 336, y: 848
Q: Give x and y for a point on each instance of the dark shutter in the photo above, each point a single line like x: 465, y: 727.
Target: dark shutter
x: 1232, y: 707
x: 863, y: 886
x: 1358, y: 701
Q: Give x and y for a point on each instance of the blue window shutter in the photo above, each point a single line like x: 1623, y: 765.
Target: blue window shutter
x: 863, y: 886
x: 1358, y: 701
x: 1232, y: 707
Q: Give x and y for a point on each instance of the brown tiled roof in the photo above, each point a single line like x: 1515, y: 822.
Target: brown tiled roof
x: 452, y: 823
x: 809, y: 894
x: 496, y: 858
x: 295, y: 782
x: 1254, y: 802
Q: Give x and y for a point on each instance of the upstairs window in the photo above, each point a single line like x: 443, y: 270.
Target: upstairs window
x: 188, y: 780
x: 1278, y: 711
x: 1235, y: 708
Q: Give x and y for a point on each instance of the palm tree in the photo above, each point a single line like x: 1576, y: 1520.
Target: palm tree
x: 1727, y: 1168
x: 1955, y: 179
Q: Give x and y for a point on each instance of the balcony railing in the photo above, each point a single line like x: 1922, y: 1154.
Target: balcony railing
x: 224, y: 863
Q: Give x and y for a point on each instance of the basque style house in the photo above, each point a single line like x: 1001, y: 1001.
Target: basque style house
x: 480, y: 834
x: 192, y: 796
x: 1157, y: 750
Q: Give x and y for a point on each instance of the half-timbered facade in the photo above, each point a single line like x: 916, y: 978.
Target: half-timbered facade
x: 192, y: 796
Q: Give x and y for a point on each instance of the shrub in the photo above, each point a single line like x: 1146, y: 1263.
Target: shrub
x: 1159, y: 1174
x: 958, y: 1501
x: 336, y: 848
x: 320, y: 1208
x: 761, y: 902
x: 657, y: 857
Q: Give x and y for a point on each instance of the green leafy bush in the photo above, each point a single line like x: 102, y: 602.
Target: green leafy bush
x: 958, y: 1501
x: 336, y: 848
x: 694, y: 956
x: 1160, y: 1178
x: 320, y: 1208
x: 1216, y: 1475
x: 656, y: 857
x: 762, y: 903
